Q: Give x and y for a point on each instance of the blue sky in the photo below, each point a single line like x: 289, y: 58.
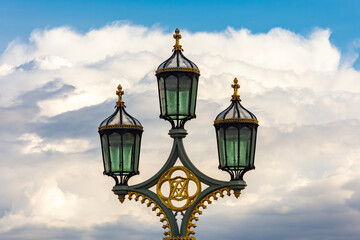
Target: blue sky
x: 19, y: 18
x: 298, y: 66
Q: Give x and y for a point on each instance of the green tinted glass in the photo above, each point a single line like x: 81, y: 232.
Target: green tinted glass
x: 171, y: 95
x: 245, y: 144
x: 128, y: 151
x: 184, y: 95
x: 232, y: 146
x: 137, y: 153
x: 253, y: 143
x: 115, y: 152
x: 104, y: 141
x: 162, y: 96
x: 193, y: 95
x: 221, y: 144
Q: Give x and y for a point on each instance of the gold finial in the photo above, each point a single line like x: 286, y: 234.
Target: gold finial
x: 235, y: 86
x: 121, y: 199
x: 119, y: 92
x: 177, y: 37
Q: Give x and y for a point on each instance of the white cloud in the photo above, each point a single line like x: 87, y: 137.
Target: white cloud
x: 306, y: 101
x: 36, y: 144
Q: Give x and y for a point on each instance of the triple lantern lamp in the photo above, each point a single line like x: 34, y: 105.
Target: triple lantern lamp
x: 178, y: 78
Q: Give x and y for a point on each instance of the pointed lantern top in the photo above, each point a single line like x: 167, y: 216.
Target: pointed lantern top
x: 177, y: 61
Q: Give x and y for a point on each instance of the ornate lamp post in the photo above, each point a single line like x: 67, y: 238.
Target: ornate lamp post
x: 120, y: 136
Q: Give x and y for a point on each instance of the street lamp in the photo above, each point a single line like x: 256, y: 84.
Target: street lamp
x: 120, y: 136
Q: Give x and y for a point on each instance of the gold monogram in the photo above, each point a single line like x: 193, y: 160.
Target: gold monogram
x: 179, y: 188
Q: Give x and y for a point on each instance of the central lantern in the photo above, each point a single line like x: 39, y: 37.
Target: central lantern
x: 177, y: 79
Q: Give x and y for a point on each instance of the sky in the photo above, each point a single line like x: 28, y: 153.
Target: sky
x: 298, y: 67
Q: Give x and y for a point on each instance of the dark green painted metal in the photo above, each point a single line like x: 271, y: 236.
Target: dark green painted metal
x: 178, y: 152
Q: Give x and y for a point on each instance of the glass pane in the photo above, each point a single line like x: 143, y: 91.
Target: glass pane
x: 245, y: 144
x: 171, y: 95
x: 115, y: 152
x: 193, y: 97
x: 137, y: 152
x: 115, y: 120
x: 162, y: 96
x: 104, y: 141
x: 221, y: 144
x: 184, y: 95
x: 253, y: 143
x: 128, y: 151
x: 232, y: 146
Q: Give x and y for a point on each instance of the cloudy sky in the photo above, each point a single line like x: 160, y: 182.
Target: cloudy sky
x: 298, y: 66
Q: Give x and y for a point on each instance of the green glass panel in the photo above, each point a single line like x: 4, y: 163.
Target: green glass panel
x: 253, y: 143
x: 171, y: 95
x: 104, y: 141
x: 232, y: 146
x: 221, y: 143
x: 115, y: 152
x: 162, y: 96
x: 128, y: 152
x: 184, y: 95
x: 245, y: 144
x: 137, y: 153
x: 193, y: 95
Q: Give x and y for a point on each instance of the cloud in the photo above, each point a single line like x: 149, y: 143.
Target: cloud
x: 58, y: 87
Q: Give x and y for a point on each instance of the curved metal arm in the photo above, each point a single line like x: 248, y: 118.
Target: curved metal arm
x: 178, y: 151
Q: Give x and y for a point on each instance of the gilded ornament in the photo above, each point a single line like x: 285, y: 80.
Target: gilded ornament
x: 179, y: 188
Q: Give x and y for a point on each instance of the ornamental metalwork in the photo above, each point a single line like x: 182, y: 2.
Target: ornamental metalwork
x: 181, y: 189
x: 178, y: 190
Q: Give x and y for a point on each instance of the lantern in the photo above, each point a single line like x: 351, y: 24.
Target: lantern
x: 177, y: 79
x: 236, y: 129
x: 120, y: 136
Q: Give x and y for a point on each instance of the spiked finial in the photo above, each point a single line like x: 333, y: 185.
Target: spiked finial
x: 177, y: 37
x: 119, y: 92
x: 235, y: 86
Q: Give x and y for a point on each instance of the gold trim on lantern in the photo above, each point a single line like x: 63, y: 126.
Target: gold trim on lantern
x: 121, y: 126
x: 249, y: 120
x: 178, y: 69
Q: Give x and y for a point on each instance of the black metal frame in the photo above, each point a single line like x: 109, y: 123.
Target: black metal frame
x: 121, y: 177
x: 237, y: 173
x: 177, y: 123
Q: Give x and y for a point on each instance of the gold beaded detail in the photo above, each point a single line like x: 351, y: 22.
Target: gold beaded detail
x: 121, y: 126
x: 201, y: 204
x: 249, y: 120
x: 150, y: 203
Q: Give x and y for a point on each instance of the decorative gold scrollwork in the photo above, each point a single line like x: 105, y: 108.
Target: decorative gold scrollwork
x: 202, y: 205
x: 179, y: 188
x: 155, y: 207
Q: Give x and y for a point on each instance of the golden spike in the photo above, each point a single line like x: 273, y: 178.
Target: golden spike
x: 237, y: 194
x: 177, y: 37
x: 235, y: 86
x: 122, y: 199
x: 119, y: 92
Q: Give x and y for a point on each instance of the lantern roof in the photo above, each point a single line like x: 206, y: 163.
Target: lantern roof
x: 120, y: 118
x: 236, y: 112
x: 177, y: 61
